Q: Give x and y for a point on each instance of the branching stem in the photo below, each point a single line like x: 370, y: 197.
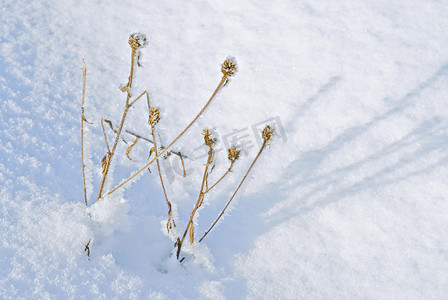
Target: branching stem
x: 220, y: 85
x: 236, y: 191
x: 219, y: 180
x: 197, y: 205
x: 120, y: 127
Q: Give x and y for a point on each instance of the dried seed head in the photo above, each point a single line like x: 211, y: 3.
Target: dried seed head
x: 233, y: 154
x: 267, y: 134
x: 229, y: 67
x: 154, y: 116
x: 208, y: 139
x: 137, y: 40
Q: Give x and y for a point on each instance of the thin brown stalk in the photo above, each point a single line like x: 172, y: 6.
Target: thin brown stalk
x: 170, y: 211
x: 87, y: 248
x: 224, y: 80
x: 84, y: 75
x: 221, y: 178
x: 111, y: 126
x: 181, y: 156
x: 183, y: 165
x: 105, y: 136
x: 197, y: 205
x: 138, y: 136
x: 236, y: 191
x: 120, y: 127
x: 128, y: 149
x: 141, y: 95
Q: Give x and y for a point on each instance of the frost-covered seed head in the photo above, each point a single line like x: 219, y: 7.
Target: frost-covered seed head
x: 229, y: 67
x: 208, y: 140
x: 233, y: 154
x: 154, y: 116
x: 137, y: 40
x: 267, y: 133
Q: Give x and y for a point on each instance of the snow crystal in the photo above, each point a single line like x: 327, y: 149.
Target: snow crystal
x: 110, y: 214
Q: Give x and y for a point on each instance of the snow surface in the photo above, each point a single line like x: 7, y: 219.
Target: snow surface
x: 350, y: 201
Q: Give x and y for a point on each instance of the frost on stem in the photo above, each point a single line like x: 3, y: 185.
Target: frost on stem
x: 228, y: 68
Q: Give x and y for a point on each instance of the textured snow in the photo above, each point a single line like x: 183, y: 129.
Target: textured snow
x: 350, y: 201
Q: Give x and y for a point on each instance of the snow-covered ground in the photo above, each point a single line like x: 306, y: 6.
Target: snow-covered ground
x: 349, y: 202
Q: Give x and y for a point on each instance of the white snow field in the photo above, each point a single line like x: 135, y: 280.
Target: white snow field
x: 349, y: 202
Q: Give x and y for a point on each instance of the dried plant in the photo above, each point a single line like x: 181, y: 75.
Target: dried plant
x: 141, y: 137
x: 105, y: 136
x: 83, y: 119
x: 128, y: 149
x: 136, y: 41
x: 154, y: 118
x: 209, y: 141
x: 228, y: 69
x: 233, y: 155
x: 87, y: 248
x: 267, y: 135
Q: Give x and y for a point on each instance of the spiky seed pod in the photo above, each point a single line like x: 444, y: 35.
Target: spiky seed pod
x: 229, y: 67
x: 267, y: 133
x: 137, y: 40
x: 154, y: 116
x: 233, y: 154
x: 208, y: 139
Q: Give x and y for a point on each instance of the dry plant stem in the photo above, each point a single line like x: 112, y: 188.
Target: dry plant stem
x: 141, y: 95
x: 198, y: 203
x: 181, y: 156
x: 138, y: 136
x: 236, y: 191
x: 219, y: 180
x: 128, y: 149
x: 170, y: 212
x: 111, y: 125
x: 120, y: 128
x: 183, y: 166
x: 221, y: 84
x: 105, y: 136
x: 84, y: 75
x: 87, y: 248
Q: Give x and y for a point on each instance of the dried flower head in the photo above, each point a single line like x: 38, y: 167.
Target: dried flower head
x: 137, y: 40
x: 233, y: 154
x: 154, y: 116
x: 208, y: 139
x: 229, y: 67
x: 267, y: 134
